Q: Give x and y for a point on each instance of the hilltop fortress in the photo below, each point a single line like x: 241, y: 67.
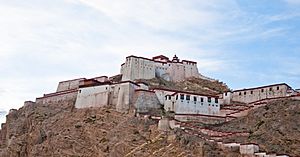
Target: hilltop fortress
x: 159, y: 66
x: 126, y: 92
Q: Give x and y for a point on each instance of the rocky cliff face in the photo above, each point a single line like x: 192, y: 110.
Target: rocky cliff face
x: 60, y: 130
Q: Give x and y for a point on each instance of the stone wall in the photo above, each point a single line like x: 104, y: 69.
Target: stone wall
x: 255, y: 94
x: 207, y: 119
x: 57, y: 97
x: 118, y: 95
x: 144, y: 68
x: 69, y: 84
x: 145, y: 101
x: 96, y: 96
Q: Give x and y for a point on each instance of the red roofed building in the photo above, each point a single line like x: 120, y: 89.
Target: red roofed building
x: 159, y: 66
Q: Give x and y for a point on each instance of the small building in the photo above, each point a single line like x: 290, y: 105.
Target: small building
x: 250, y: 95
x: 181, y: 102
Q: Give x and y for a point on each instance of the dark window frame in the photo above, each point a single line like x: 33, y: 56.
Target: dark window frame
x: 208, y: 99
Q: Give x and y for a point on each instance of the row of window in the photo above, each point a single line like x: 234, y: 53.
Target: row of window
x: 188, y: 97
x: 262, y: 90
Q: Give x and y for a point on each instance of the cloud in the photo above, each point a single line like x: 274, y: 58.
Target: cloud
x: 293, y: 2
x: 43, y: 43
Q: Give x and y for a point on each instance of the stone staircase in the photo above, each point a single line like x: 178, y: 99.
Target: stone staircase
x: 245, y: 149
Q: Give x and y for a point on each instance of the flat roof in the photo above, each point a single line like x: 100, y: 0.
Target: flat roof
x: 168, y: 61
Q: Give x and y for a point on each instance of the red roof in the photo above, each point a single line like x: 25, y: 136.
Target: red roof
x: 168, y: 61
x: 160, y: 57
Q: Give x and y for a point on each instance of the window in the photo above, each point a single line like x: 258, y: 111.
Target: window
x: 216, y: 105
x: 195, y: 98
x: 271, y: 89
x: 169, y: 97
x: 240, y: 93
x: 262, y: 90
x: 245, y: 93
x: 277, y: 87
x: 226, y: 94
x: 166, y: 97
x: 79, y: 91
x: 176, y: 97
x: 209, y: 99
x: 216, y: 100
x: 182, y: 96
x: 188, y: 97
x: 201, y: 99
x: 251, y: 92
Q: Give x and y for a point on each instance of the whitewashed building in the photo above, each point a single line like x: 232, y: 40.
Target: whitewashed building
x: 159, y: 66
x: 181, y: 102
x: 97, y: 94
x: 250, y: 95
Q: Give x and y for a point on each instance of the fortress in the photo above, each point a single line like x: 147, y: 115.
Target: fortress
x: 125, y: 92
x: 159, y: 66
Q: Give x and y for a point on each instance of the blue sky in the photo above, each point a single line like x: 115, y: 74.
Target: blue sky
x: 242, y: 43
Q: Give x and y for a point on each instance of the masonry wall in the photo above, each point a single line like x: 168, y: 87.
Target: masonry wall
x: 68, y: 85
x: 194, y: 107
x: 252, y: 95
x: 96, y: 96
x: 142, y: 68
x: 57, y: 97
x: 119, y: 96
x: 146, y: 101
x: 137, y: 68
x: 125, y: 97
x: 200, y: 118
x: 161, y: 95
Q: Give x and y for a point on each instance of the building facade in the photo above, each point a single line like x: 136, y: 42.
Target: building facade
x: 250, y: 95
x: 118, y: 95
x: 181, y: 102
x: 159, y: 66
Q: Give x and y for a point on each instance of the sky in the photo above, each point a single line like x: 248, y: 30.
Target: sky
x: 242, y: 43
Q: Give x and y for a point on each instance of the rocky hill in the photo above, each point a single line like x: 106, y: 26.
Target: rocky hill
x: 275, y: 127
x: 197, y: 85
x: 60, y: 130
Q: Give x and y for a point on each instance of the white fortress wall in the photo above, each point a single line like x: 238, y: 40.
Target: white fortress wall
x: 196, y: 104
x: 95, y: 96
x: 69, y: 84
x: 125, y: 97
x: 260, y: 93
x: 162, y: 93
x: 137, y: 68
x: 119, y: 95
x: 57, y: 97
x: 160, y: 66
